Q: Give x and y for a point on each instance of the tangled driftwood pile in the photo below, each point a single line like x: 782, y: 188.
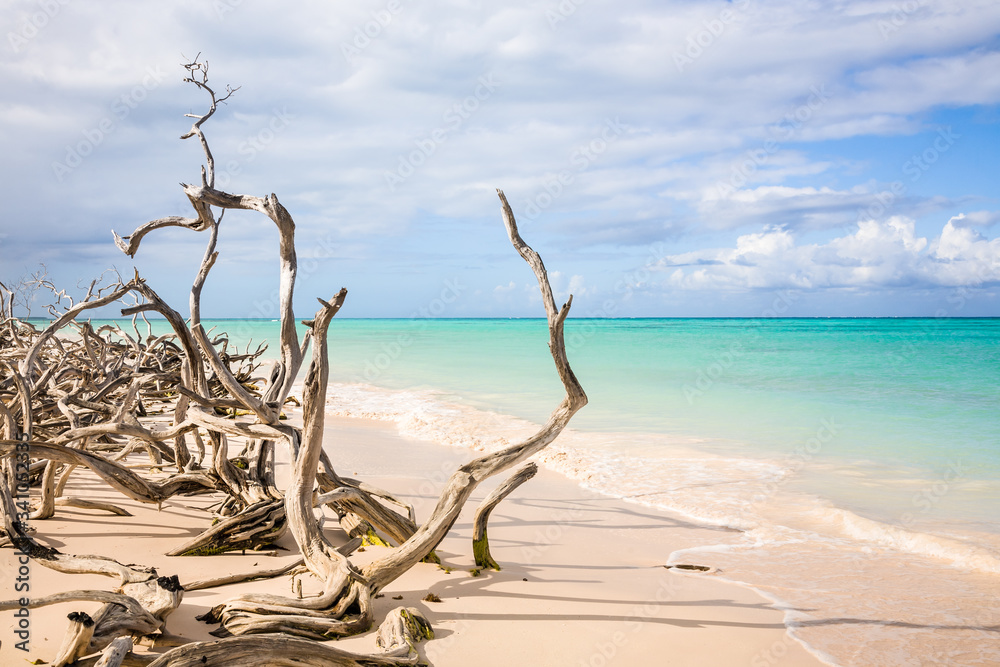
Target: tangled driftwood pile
x: 74, y: 397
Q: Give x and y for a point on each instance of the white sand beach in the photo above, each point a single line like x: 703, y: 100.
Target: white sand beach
x: 582, y: 583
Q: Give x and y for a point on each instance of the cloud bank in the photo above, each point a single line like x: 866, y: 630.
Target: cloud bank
x: 385, y: 127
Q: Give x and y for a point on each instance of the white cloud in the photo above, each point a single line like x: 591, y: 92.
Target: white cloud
x: 903, y: 88
x: 808, y: 207
x: 976, y: 219
x: 557, y: 87
x: 878, y: 255
x: 504, y: 289
x: 576, y: 285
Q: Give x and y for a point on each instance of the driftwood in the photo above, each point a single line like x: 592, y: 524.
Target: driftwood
x: 115, y: 653
x: 255, y: 527
x: 275, y: 650
x: 83, y: 503
x: 214, y: 582
x: 403, y: 628
x: 480, y: 540
x: 77, y: 640
x: 96, y: 400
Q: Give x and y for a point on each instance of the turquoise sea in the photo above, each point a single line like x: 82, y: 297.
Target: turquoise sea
x: 858, y: 460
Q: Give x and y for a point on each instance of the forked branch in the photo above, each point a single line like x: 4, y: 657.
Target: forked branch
x: 465, y: 480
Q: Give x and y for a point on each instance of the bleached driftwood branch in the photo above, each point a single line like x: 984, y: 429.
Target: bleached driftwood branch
x: 88, y: 403
x: 480, y: 540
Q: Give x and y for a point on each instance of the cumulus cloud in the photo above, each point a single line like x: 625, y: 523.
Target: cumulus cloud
x: 504, y: 289
x: 976, y: 219
x: 880, y: 254
x: 366, y: 96
x: 807, y: 207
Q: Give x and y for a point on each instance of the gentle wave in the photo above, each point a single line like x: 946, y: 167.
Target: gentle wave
x: 956, y: 552
x: 854, y: 591
x: 651, y: 469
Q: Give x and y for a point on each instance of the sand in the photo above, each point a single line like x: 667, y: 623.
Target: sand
x: 582, y: 584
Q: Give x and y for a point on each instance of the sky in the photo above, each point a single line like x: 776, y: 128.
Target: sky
x: 751, y: 158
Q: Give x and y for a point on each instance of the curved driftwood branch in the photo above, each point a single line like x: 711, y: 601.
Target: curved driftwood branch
x: 84, y: 504
x: 130, y: 244
x: 275, y: 649
x: 106, y: 597
x: 464, y: 481
x: 480, y: 541
x: 24, y: 403
x: 291, y: 353
x: 115, y: 653
x: 116, y: 475
x: 71, y: 564
x: 96, y: 399
x: 255, y: 527
x: 215, y: 582
x: 142, y: 609
x: 403, y: 628
x: 320, y: 556
x: 344, y: 606
x: 76, y: 643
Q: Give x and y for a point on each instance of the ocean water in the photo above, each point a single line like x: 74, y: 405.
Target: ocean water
x: 858, y: 460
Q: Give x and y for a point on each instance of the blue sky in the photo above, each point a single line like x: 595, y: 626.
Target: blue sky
x: 666, y: 158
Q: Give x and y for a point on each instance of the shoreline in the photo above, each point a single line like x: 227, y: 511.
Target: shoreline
x: 846, y: 594
x: 833, y: 606
x: 596, y: 591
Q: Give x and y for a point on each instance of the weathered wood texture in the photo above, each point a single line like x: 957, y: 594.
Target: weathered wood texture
x: 96, y: 400
x: 480, y: 540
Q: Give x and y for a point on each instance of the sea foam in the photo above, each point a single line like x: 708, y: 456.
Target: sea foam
x: 819, y: 561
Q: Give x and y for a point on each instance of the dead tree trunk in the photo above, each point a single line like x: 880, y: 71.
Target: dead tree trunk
x: 77, y: 640
x: 88, y: 403
x: 348, y: 592
x: 480, y: 541
x: 114, y: 655
x: 273, y: 649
